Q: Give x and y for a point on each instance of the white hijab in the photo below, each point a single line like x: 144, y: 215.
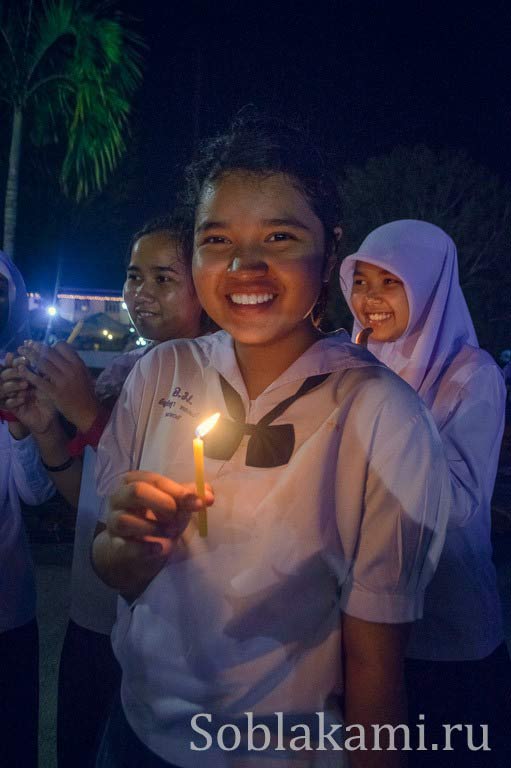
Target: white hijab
x: 424, y: 257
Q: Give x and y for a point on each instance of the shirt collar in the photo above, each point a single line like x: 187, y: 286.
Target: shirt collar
x: 331, y: 353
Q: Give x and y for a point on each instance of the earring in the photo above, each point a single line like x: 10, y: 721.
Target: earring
x: 319, y: 308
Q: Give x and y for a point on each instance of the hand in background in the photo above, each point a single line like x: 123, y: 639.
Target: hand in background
x: 13, y: 388
x: 63, y: 378
x: 34, y: 412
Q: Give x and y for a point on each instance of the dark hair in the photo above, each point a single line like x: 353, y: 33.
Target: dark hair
x: 265, y: 145
x: 179, y: 226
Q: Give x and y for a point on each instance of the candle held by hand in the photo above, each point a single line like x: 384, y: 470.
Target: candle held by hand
x: 198, y: 458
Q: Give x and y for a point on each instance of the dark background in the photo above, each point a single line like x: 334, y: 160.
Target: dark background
x: 366, y: 76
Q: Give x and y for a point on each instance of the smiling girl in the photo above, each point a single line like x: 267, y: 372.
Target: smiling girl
x: 163, y: 305
x: 301, y: 594
x: 403, y: 284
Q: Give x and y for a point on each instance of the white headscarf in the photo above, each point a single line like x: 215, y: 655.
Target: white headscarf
x: 16, y: 330
x: 424, y: 257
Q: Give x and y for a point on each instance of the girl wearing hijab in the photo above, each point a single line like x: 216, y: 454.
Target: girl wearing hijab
x: 21, y: 474
x: 402, y: 283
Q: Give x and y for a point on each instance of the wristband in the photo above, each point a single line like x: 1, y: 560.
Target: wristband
x: 92, y: 437
x: 60, y: 467
x: 7, y: 416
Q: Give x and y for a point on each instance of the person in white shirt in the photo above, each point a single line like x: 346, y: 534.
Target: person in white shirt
x: 162, y: 304
x: 330, y: 486
x: 21, y: 475
x: 403, y: 284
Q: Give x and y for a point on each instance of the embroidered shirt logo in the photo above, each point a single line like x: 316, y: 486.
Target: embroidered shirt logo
x: 172, y: 407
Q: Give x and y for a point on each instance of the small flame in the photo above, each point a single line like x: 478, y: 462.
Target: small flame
x: 207, y: 425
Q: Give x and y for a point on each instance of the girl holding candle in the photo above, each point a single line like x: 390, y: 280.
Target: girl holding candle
x: 403, y: 284
x: 329, y: 490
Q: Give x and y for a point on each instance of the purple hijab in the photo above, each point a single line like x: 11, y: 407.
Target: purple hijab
x: 16, y: 329
x: 424, y: 257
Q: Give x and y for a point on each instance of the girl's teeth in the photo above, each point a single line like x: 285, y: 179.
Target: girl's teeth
x: 251, y: 298
x: 379, y: 316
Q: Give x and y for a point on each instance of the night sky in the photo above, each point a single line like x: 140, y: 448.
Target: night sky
x: 365, y: 76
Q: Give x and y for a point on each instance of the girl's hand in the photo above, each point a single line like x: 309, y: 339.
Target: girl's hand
x: 152, y: 508
x: 13, y: 388
x: 34, y: 412
x: 147, y: 514
x: 63, y: 378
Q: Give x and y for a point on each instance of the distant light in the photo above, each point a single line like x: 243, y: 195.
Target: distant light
x: 132, y: 330
x: 109, y: 337
x: 52, y: 311
x: 104, y: 332
x: 124, y: 305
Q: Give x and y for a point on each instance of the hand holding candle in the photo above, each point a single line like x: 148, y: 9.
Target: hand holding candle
x: 198, y: 457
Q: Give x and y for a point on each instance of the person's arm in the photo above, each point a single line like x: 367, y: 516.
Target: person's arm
x: 64, y: 470
x: 471, y: 436
x: 30, y: 478
x: 402, y: 500
x: 63, y: 378
x: 375, y: 689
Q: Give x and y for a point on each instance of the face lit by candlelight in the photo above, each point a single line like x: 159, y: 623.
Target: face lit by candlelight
x: 259, y: 258
x: 379, y: 301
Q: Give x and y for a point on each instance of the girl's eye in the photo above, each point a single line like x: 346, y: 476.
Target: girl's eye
x: 164, y: 279
x: 214, y: 240
x: 280, y: 237
x: 132, y: 276
x: 392, y: 281
x: 358, y: 281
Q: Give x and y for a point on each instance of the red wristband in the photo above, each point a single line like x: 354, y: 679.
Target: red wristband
x: 7, y: 416
x: 76, y: 446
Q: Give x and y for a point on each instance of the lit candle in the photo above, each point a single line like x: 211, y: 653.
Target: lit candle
x: 74, y: 333
x: 363, y: 336
x: 198, y: 457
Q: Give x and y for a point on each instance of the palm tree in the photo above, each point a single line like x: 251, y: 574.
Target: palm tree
x: 73, y: 66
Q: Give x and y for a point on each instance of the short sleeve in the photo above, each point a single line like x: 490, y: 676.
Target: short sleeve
x: 405, y: 505
x: 116, y: 448
x: 471, y: 436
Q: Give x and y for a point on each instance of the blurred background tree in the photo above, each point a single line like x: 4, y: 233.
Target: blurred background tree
x: 70, y: 70
x: 447, y: 189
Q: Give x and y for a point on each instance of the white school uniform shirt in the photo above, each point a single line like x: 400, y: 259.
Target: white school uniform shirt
x: 462, y: 611
x: 93, y: 603
x: 439, y: 357
x: 21, y: 474
x: 249, y: 618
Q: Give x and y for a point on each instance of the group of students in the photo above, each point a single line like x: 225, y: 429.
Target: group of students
x: 346, y: 575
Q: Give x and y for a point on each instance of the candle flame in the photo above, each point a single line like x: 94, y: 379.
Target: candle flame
x: 207, y: 425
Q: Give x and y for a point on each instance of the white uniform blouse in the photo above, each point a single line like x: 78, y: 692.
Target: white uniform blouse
x: 248, y: 619
x: 462, y: 612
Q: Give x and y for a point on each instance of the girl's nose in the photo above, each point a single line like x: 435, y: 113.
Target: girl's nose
x: 373, y: 294
x: 248, y: 259
x: 144, y: 290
